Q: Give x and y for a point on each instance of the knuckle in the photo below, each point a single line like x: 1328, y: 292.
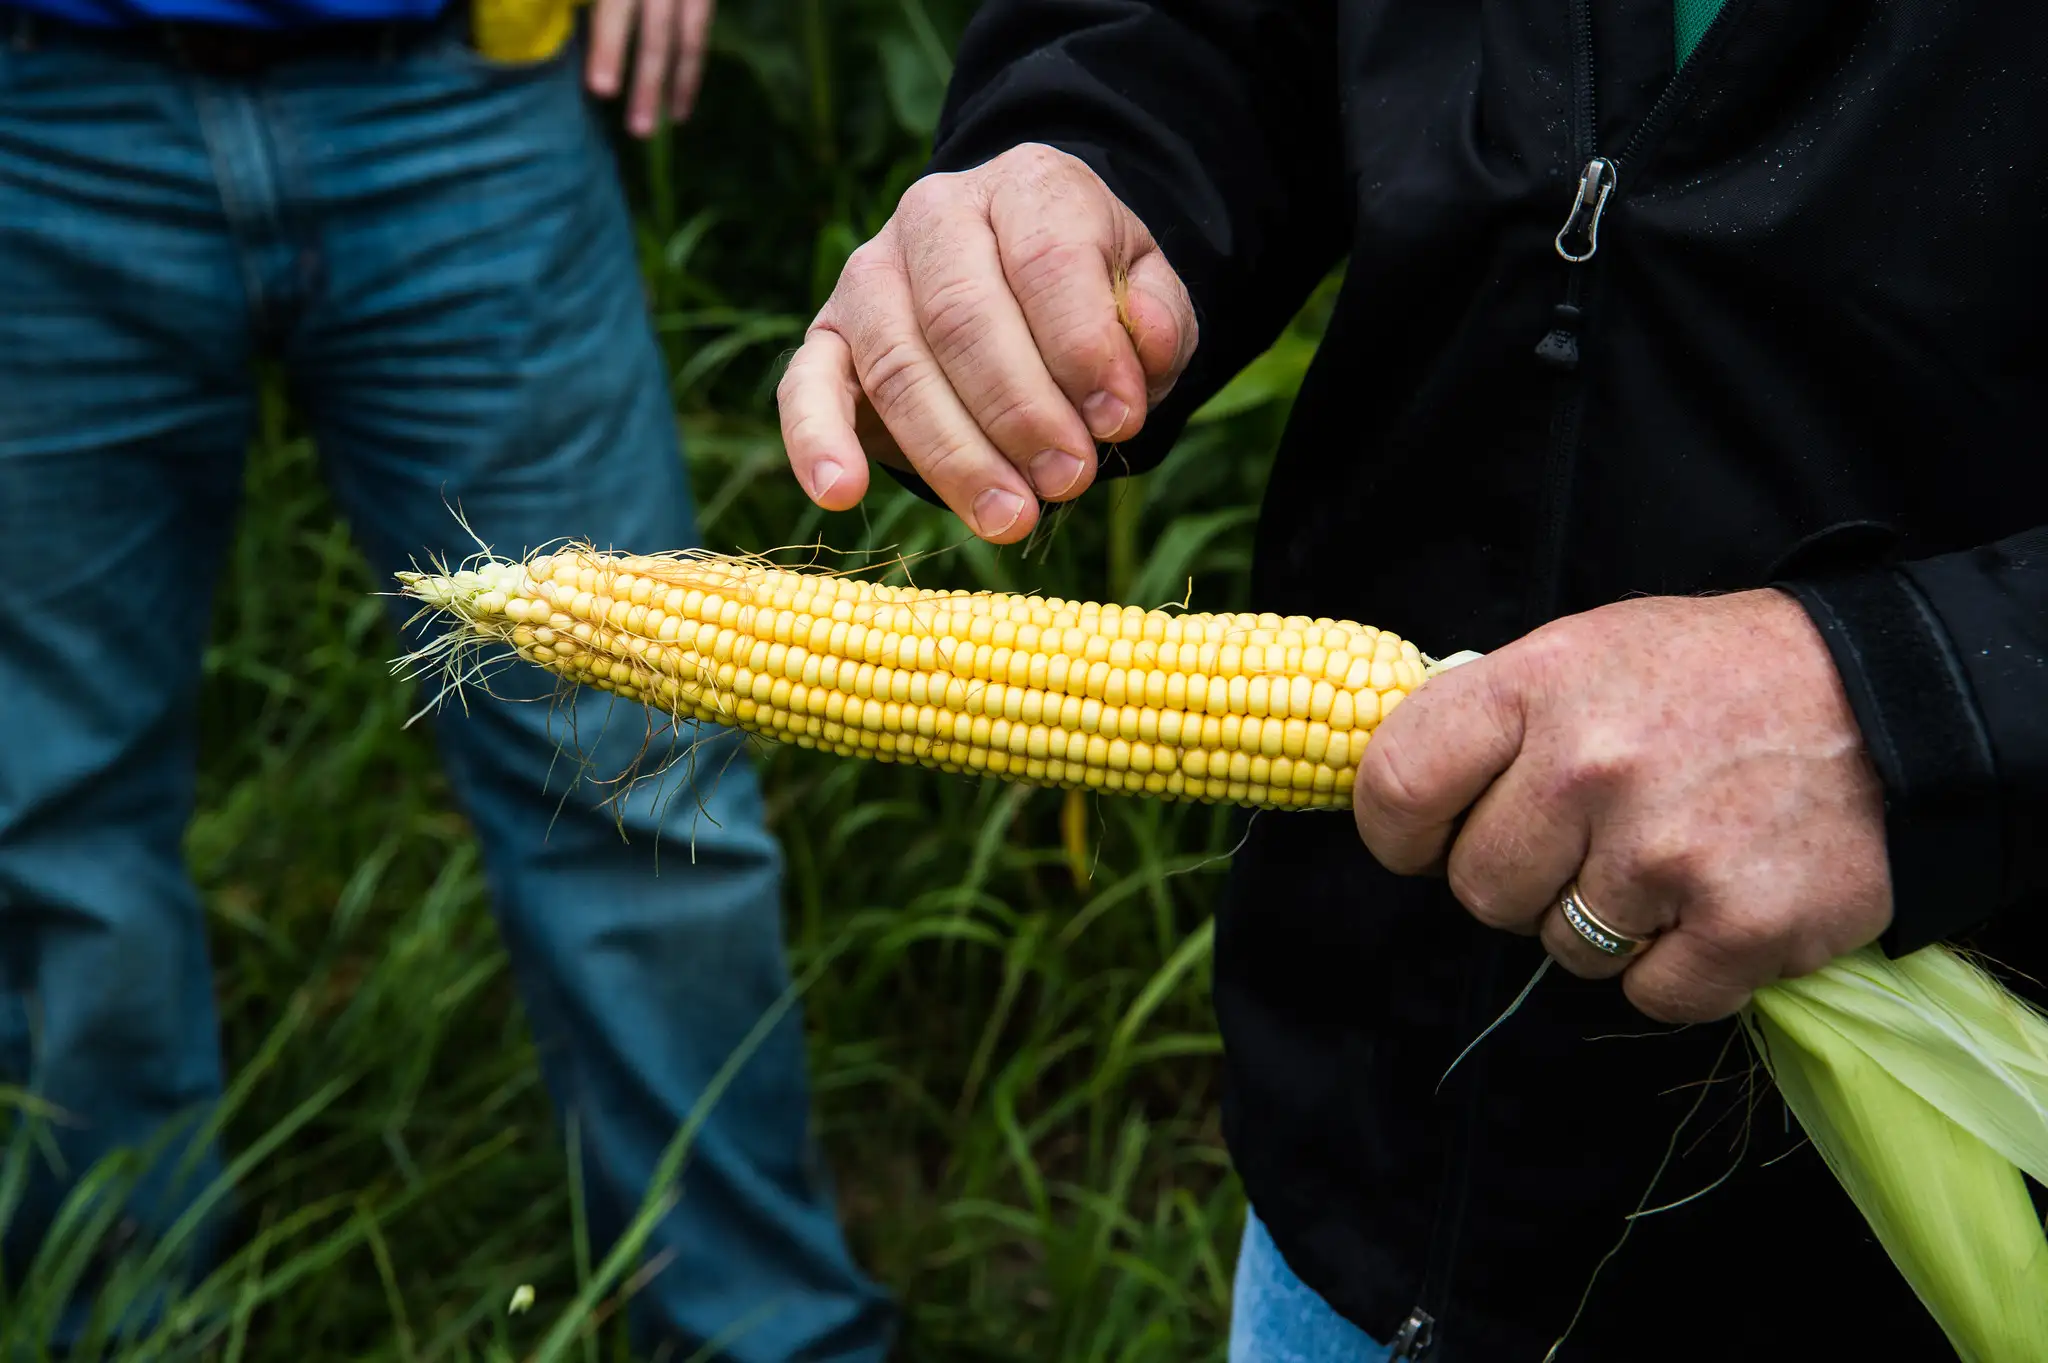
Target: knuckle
x: 948, y: 465
x: 1550, y: 654
x: 1080, y: 353
x: 1078, y: 330
x: 1388, y: 780
x: 871, y: 276
x: 924, y: 199
x: 1601, y: 762
x: 1012, y: 418
x: 790, y: 384
x: 1670, y: 858
x: 1743, y: 937
x: 1473, y: 887
x: 1046, y: 258
x: 1682, y: 997
x: 1656, y: 999
x: 956, y: 315
x: 796, y: 373
x: 870, y: 262
x: 1082, y: 350
x: 1034, y: 162
x: 892, y: 375
x: 803, y: 426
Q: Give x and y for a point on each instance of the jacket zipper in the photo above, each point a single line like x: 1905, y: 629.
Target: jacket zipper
x: 1417, y: 1335
x: 1560, y: 347
x: 1577, y: 243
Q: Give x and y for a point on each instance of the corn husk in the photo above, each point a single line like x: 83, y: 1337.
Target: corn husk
x: 1923, y: 1083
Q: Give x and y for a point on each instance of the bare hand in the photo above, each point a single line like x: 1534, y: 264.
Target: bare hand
x: 1693, y: 762
x: 668, y: 58
x: 977, y: 340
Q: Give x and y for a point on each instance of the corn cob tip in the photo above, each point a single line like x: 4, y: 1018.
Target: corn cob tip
x: 473, y: 595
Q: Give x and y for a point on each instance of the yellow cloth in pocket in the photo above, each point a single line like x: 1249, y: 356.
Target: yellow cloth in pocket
x: 521, y: 30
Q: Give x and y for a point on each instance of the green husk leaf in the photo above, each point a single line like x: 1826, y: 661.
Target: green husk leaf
x: 1950, y: 1032
x: 1922, y: 1084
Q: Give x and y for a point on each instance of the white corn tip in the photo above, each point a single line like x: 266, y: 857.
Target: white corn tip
x: 470, y: 592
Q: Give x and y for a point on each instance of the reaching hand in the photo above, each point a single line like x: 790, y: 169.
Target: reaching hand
x: 1692, y: 763
x: 667, y: 37
x: 978, y: 340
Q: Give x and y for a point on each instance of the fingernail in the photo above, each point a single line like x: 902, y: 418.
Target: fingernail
x: 824, y: 475
x: 1055, y: 471
x: 996, y: 510
x: 1106, y: 414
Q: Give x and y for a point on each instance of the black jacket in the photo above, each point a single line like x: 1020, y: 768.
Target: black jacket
x: 1809, y: 349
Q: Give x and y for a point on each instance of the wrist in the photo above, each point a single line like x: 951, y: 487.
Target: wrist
x: 1926, y: 743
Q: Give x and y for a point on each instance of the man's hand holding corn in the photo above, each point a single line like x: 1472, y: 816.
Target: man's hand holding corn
x: 1690, y: 765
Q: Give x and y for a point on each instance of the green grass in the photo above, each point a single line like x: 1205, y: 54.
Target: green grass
x: 1014, y: 1057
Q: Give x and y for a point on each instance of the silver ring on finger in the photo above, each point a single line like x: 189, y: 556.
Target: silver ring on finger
x: 1608, y: 941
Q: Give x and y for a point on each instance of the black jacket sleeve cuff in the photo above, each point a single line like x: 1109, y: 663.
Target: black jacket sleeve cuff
x: 1927, y: 739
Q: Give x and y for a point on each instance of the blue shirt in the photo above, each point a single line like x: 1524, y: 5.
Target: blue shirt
x: 252, y: 13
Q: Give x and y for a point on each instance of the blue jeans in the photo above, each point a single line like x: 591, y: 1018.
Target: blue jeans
x: 438, y: 251
x: 1277, y: 1318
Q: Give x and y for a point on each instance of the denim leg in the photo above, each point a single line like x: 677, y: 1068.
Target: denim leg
x: 1277, y: 1318
x: 125, y: 407
x: 477, y: 339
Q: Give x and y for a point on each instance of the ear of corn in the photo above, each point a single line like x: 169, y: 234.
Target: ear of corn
x: 1259, y: 710
x: 1923, y: 1082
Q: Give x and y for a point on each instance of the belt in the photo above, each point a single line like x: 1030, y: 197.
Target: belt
x: 230, y: 50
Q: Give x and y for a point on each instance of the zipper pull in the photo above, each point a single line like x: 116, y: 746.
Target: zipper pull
x: 1596, y: 182
x: 1414, y: 1338
x: 1559, y: 347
